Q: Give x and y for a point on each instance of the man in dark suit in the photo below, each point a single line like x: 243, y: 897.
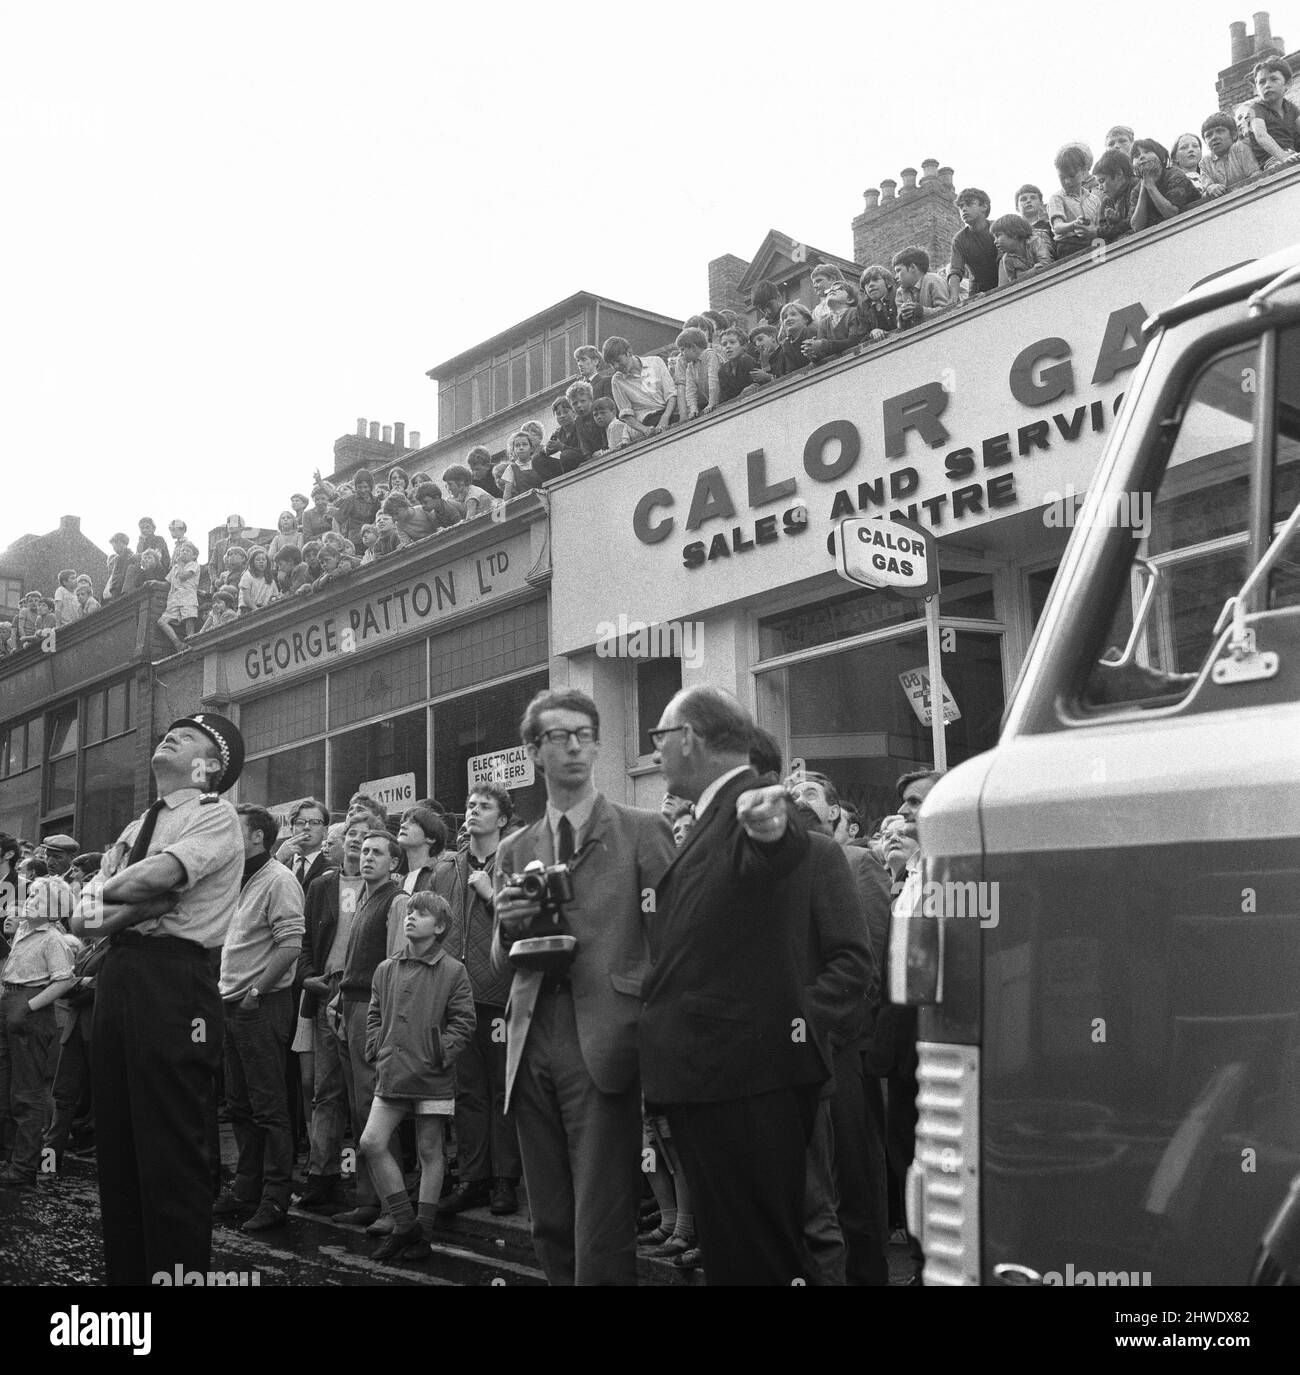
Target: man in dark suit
x: 727, y: 1049
x: 304, y: 851
x: 331, y: 906
x: 571, y: 1038
x: 851, y: 1121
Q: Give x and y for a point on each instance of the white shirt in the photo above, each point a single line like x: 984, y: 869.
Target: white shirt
x: 579, y: 814
x: 714, y: 788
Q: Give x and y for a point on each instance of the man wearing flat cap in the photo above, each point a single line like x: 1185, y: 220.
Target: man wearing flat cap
x: 157, y: 1036
x: 59, y: 853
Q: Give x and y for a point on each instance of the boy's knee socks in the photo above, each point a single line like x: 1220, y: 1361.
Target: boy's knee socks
x: 398, y: 1205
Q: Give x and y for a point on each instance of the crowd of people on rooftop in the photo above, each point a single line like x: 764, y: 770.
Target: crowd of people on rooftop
x: 621, y: 396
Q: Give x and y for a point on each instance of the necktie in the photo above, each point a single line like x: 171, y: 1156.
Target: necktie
x: 565, y: 829
x: 299, y: 867
x: 145, y: 833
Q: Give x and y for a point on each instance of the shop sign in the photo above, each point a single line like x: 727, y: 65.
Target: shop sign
x: 510, y: 768
x: 878, y: 553
x: 916, y: 685
x: 394, y: 792
x: 418, y: 601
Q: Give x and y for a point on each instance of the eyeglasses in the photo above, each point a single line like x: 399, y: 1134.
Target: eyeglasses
x: 303, y: 824
x: 657, y: 736
x: 584, y: 735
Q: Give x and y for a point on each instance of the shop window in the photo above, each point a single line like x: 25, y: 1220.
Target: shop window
x: 446, y: 409
x: 108, y: 792
x: 13, y: 745
x: 63, y: 731
x: 293, y: 713
x: 62, y: 783
x: 284, y: 776
x: 92, y: 716
x: 490, y: 648
x: 398, y: 745
x: 482, y: 723
x: 35, y: 742
x: 20, y: 803
x: 1039, y: 583
x: 376, y: 686
x: 964, y: 594
x: 857, y: 715
x: 118, y: 717
x: 657, y: 682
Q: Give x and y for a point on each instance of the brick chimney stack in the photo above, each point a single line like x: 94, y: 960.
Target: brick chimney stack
x: 920, y: 212
x: 1236, y: 83
x: 373, y: 446
x: 725, y: 274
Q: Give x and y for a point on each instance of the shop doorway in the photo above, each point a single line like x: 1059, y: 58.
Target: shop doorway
x: 857, y: 714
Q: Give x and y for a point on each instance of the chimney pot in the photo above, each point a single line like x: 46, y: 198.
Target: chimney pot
x: 69, y: 522
x: 415, y: 439
x: 909, y: 180
x: 388, y: 434
x: 887, y: 188
x: 872, y: 197
x: 361, y: 427
x: 1240, y: 41
x: 374, y: 430
x: 1263, y: 32
x: 945, y: 178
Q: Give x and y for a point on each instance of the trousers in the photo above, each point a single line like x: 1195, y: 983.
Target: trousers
x: 154, y: 1053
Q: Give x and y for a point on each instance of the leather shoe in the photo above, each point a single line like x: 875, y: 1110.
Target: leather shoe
x: 382, y: 1226
x: 228, y: 1205
x: 417, y: 1250
x: 361, y: 1216
x: 504, y: 1200
x: 473, y: 1195
x: 668, y: 1250
x: 266, y: 1219
x: 398, y: 1240
x: 322, y: 1194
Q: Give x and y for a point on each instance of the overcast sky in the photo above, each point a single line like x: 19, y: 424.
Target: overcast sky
x: 231, y: 231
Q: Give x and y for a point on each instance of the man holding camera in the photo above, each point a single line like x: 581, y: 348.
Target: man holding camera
x: 571, y: 1040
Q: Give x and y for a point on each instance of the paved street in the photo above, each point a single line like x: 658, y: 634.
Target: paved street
x: 51, y: 1236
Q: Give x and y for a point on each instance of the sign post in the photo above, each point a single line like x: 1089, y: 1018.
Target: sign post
x: 903, y: 556
x: 933, y: 653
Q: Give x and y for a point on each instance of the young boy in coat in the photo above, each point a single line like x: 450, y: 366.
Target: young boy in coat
x: 421, y: 1017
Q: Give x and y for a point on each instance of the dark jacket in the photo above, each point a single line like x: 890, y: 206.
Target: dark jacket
x: 788, y: 357
x: 841, y: 984
x: 421, y: 1017
x: 470, y: 937
x: 839, y: 336
x: 368, y: 943
x: 321, y: 910
x: 724, y: 994
x: 734, y: 377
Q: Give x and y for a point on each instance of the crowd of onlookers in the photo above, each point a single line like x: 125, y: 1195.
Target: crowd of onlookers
x: 621, y: 397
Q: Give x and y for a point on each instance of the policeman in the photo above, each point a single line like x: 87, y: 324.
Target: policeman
x: 157, y: 1033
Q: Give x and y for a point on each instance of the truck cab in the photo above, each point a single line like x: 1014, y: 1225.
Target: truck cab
x: 1109, y: 1071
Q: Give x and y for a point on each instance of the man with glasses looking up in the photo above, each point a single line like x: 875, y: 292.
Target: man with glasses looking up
x: 571, y: 1041
x: 304, y: 851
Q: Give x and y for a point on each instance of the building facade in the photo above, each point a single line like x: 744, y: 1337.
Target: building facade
x: 981, y: 424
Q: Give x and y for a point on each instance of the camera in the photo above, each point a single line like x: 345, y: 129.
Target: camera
x: 552, y: 947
